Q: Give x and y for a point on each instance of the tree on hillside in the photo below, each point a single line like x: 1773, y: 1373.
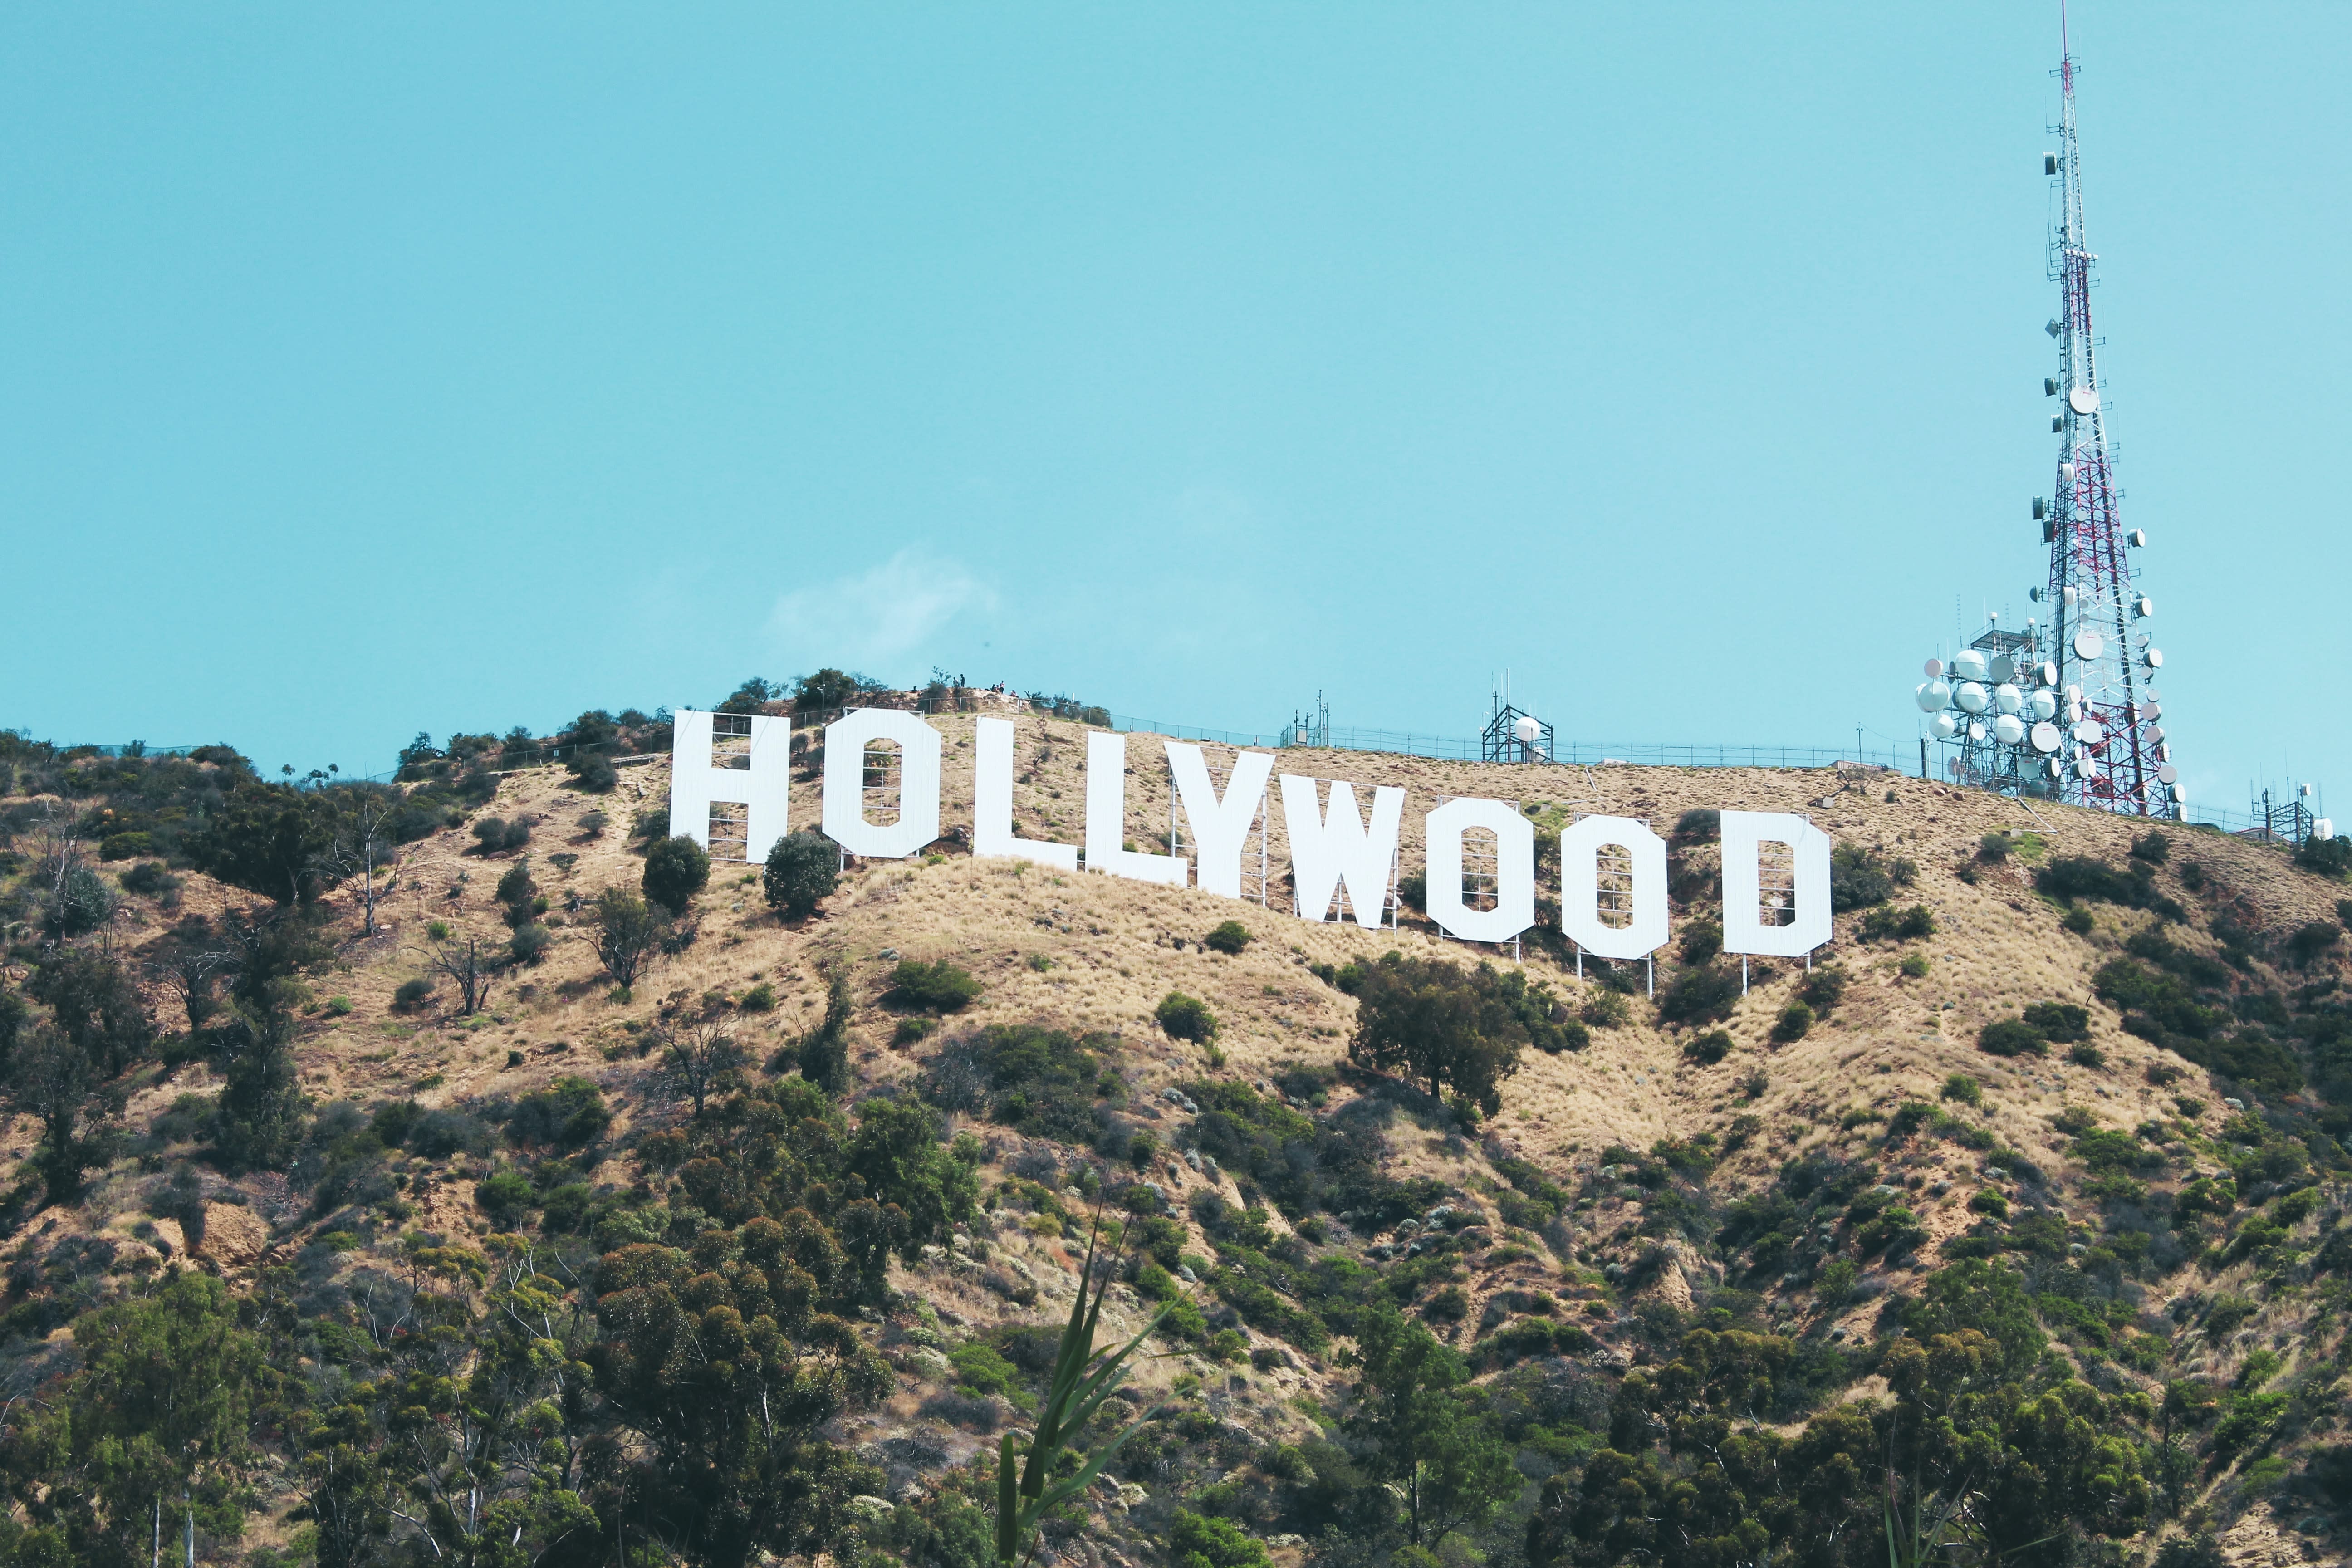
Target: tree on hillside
x: 48, y: 1076
x: 97, y: 1005
x: 472, y: 965
x: 802, y: 870
x: 150, y: 1439
x: 627, y: 933
x: 258, y: 1120
x: 271, y: 839
x: 825, y: 1050
x: 676, y: 869
x: 1446, y: 1027
x: 1421, y: 1433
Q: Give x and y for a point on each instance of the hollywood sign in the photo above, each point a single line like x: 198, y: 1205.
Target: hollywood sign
x: 1333, y: 848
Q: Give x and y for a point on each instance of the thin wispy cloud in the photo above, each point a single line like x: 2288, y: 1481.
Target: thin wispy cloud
x: 879, y: 617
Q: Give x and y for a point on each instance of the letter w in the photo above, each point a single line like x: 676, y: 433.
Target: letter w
x: 1326, y: 853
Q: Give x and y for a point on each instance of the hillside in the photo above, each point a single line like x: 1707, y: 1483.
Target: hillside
x: 1717, y: 1280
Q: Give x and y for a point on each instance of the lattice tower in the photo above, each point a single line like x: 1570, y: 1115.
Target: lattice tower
x: 2113, y: 754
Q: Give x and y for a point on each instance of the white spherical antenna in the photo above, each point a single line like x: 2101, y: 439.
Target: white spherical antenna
x: 1943, y: 726
x: 1528, y: 730
x: 2322, y: 828
x: 2008, y: 698
x: 2088, y: 733
x: 1976, y: 731
x: 2002, y: 667
x: 1968, y: 664
x: 2167, y: 773
x: 1932, y: 668
x: 1971, y: 697
x: 1931, y: 696
x: 2065, y: 473
x: 2046, y: 738
x: 2089, y: 644
x: 2044, y: 704
x: 2083, y: 400
x: 2155, y: 657
x: 2008, y: 729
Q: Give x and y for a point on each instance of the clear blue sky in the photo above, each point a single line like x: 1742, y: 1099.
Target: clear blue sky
x: 370, y: 370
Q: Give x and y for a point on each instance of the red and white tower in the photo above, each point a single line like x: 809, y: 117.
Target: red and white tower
x: 2066, y: 708
x: 2097, y: 646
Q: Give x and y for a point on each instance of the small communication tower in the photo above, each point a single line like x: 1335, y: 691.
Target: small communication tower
x: 2068, y: 709
x: 1512, y: 736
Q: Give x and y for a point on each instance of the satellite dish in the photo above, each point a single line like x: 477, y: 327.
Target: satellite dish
x: 1976, y: 731
x: 2167, y: 773
x: 1971, y: 697
x: 1528, y: 730
x: 2136, y: 536
x: 2089, y: 644
x: 2070, y: 594
x: 2155, y: 657
x: 2046, y: 738
x: 2302, y: 790
x: 2088, y: 733
x: 1968, y: 664
x: 1943, y: 726
x: 2155, y: 709
x: 2322, y: 828
x: 1931, y: 696
x: 2008, y: 729
x: 2143, y: 606
x: 2008, y: 698
x: 2044, y: 704
x: 2002, y: 667
x: 2083, y: 399
x: 2049, y: 674
x: 1932, y: 668
x: 2156, y: 734
x: 2065, y: 473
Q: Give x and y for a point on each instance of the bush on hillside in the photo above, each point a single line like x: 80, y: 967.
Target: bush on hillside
x: 676, y: 869
x: 802, y: 872
x: 1229, y: 938
x: 1186, y: 1017
x: 939, y: 987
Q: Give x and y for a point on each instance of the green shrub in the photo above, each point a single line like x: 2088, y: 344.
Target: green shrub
x: 436, y: 931
x: 2152, y: 846
x: 2084, y: 1054
x: 1606, y: 1009
x: 676, y: 869
x: 1702, y: 994
x: 505, y: 1196
x: 1914, y: 966
x: 496, y: 836
x: 1823, y: 989
x: 1993, y: 849
x: 802, y: 872
x: 1702, y: 941
x: 1889, y: 924
x: 530, y: 942
x: 1698, y: 827
x: 412, y: 993
x: 1196, y: 1540
x: 761, y: 999
x: 2078, y: 920
x: 1795, y: 1019
x: 2060, y: 1022
x: 150, y: 880
x: 1228, y: 1346
x: 1964, y: 1089
x: 941, y: 986
x: 1186, y: 1017
x: 2011, y: 1037
x: 338, y: 1007
x: 1708, y: 1048
x: 126, y: 846
x: 1229, y: 938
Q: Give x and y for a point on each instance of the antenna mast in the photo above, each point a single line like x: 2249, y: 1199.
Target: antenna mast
x: 2113, y: 753
x: 2066, y: 709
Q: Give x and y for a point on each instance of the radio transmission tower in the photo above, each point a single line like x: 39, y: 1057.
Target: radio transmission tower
x: 2113, y: 752
x: 2067, y: 708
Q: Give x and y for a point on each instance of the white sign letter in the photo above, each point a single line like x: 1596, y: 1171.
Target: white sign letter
x: 846, y: 740
x: 1515, y: 847
x: 992, y: 803
x: 1107, y: 817
x: 764, y: 789
x: 1326, y: 853
x: 1219, y: 827
x: 1579, y: 887
x: 1745, y: 834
